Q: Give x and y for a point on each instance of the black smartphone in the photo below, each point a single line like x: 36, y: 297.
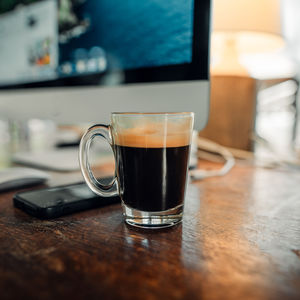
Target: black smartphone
x: 54, y: 202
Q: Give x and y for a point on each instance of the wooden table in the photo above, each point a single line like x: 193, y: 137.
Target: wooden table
x: 240, y: 239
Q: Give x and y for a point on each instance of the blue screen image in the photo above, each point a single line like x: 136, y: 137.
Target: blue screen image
x: 51, y: 40
x: 136, y: 33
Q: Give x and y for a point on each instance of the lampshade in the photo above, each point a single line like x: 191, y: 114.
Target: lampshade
x: 247, y: 15
x: 247, y: 38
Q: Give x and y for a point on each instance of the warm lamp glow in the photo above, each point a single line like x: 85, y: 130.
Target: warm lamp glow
x: 247, y: 15
x: 243, y: 29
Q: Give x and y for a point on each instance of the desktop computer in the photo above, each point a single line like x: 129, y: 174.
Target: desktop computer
x: 77, y: 61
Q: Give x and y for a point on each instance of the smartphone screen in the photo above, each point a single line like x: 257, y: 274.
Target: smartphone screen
x: 54, y: 196
x: 57, y: 201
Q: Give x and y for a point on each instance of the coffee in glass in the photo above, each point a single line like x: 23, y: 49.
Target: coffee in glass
x: 151, y: 153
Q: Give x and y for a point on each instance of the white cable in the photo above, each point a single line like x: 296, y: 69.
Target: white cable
x: 210, y: 146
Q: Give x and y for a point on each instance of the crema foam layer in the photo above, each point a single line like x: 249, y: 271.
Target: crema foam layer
x: 154, y: 136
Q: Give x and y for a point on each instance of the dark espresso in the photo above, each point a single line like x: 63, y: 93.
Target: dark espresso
x: 152, y: 179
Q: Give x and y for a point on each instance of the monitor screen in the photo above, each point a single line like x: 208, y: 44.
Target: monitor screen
x: 101, y: 42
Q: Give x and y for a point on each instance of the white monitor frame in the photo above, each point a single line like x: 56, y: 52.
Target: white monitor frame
x: 94, y: 104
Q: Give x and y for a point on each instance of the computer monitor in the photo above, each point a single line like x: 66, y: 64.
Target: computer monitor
x: 76, y: 61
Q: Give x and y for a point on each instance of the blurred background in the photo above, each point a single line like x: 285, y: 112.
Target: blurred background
x: 255, y: 72
x: 255, y: 66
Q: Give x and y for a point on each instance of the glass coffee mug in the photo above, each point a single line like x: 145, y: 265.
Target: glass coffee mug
x: 151, y: 153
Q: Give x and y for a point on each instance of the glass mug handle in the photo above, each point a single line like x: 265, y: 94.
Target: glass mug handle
x: 104, y: 132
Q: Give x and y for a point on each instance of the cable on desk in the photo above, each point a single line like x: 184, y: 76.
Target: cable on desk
x: 209, y: 146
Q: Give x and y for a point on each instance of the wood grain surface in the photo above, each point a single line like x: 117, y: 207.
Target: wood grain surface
x: 240, y: 239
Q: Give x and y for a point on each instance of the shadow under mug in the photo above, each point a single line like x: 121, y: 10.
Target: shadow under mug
x: 151, y: 153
